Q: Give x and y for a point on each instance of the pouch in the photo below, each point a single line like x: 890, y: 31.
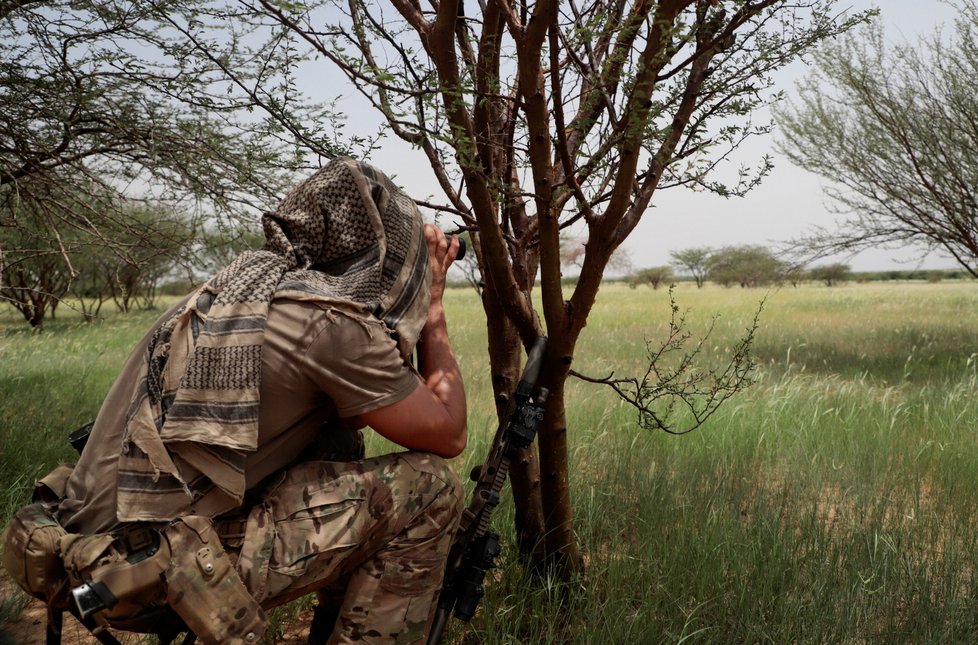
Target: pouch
x: 205, y: 590
x: 130, y: 569
x: 30, y: 553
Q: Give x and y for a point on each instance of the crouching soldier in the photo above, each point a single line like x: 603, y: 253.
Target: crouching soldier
x: 223, y: 474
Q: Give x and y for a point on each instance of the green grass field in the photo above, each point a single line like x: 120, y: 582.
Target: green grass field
x: 834, y: 501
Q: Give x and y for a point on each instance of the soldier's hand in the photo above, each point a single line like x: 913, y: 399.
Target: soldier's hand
x: 442, y: 251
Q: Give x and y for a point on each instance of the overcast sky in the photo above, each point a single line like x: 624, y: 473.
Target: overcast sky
x: 789, y: 202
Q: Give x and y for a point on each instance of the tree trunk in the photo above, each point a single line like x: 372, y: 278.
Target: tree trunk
x: 524, y: 474
x: 561, y: 545
x: 35, y: 315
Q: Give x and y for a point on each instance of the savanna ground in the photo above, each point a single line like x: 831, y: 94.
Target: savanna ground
x: 836, y: 501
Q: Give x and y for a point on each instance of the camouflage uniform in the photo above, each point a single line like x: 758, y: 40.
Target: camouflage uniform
x: 381, y: 526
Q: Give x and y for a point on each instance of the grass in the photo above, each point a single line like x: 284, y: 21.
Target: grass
x: 51, y: 383
x: 835, y: 501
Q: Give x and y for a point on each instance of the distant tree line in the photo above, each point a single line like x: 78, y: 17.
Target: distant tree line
x: 929, y: 275
x: 169, y: 256
x: 756, y: 266
x: 744, y: 266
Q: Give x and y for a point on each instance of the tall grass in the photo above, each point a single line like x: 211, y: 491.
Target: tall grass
x: 835, y: 501
x: 51, y: 383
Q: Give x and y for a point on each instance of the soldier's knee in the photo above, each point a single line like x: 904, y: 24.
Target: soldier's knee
x: 454, y: 493
x: 449, y: 504
x: 450, y: 494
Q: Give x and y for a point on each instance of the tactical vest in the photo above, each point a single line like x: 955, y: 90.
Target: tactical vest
x: 148, y: 579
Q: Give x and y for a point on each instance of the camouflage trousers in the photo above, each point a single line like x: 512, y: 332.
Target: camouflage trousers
x: 381, y: 528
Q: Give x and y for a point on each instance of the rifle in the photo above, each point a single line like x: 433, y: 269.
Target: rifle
x: 475, y: 547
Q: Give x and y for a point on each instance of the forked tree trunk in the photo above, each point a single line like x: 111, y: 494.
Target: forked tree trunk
x: 545, y: 537
x: 548, y: 124
x: 505, y: 352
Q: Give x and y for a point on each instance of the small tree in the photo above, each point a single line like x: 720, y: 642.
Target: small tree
x: 894, y: 129
x: 794, y: 274
x: 654, y: 276
x: 538, y: 117
x: 34, y: 273
x: 831, y: 274
x: 747, y: 266
x: 695, y: 261
x: 573, y: 250
x: 151, y: 251
x: 91, y: 286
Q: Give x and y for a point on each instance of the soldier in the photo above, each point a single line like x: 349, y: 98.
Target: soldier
x: 229, y: 407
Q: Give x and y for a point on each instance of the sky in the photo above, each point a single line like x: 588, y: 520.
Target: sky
x: 788, y: 203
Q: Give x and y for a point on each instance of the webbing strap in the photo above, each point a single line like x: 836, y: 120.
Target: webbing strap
x: 52, y: 635
x: 101, y: 634
x: 56, y: 624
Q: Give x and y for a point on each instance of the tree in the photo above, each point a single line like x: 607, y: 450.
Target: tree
x: 538, y: 117
x: 694, y: 260
x: 573, y: 250
x: 654, y: 276
x: 40, y: 271
x: 794, y: 274
x: 894, y: 128
x: 748, y: 266
x: 152, y: 251
x: 831, y: 274
x: 34, y: 275
x: 90, y: 287
x: 99, y: 106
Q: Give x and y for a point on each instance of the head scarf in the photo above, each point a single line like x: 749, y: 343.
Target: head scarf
x: 346, y: 234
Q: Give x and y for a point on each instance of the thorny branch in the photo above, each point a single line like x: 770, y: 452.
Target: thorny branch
x: 673, y: 382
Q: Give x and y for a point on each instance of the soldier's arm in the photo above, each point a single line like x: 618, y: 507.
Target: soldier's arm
x: 432, y: 417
